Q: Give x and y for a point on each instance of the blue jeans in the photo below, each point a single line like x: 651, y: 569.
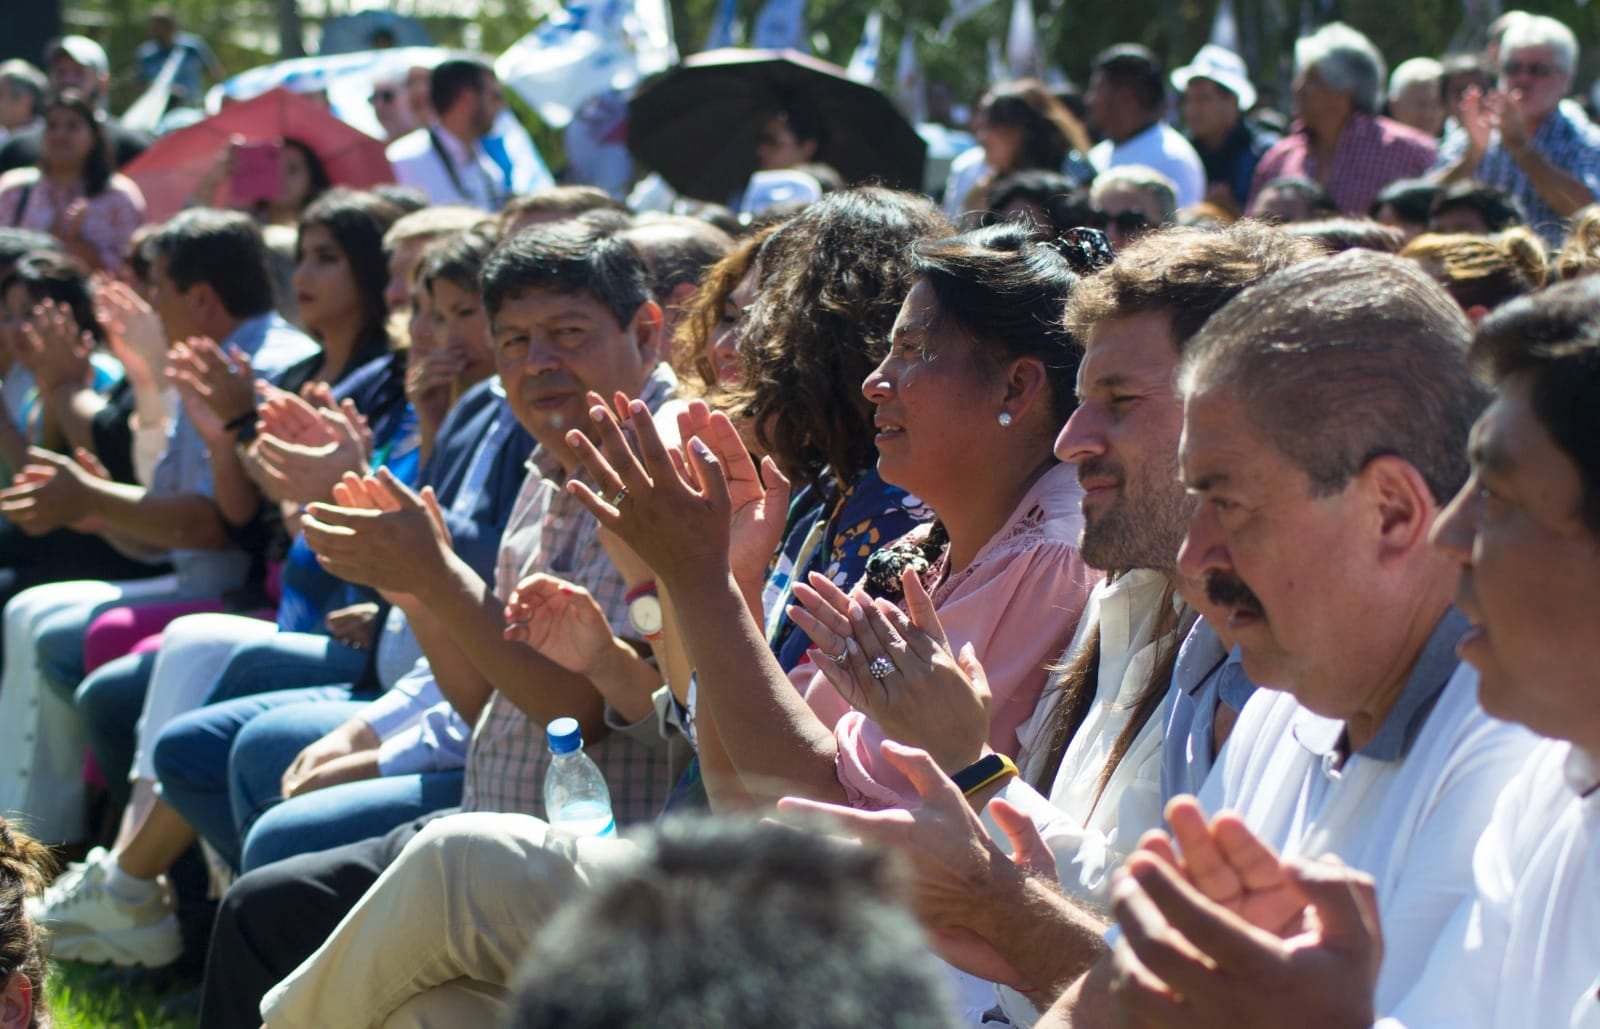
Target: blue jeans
x: 274, y: 828
x: 109, y: 703
x: 191, y: 758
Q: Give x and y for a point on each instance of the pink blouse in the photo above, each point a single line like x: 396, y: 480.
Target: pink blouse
x: 109, y: 224
x: 1018, y: 602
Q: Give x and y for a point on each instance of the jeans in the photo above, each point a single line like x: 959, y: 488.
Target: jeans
x: 108, y: 703
x: 191, y: 760
x: 273, y: 828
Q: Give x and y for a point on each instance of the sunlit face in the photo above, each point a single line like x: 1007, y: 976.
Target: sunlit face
x: 1099, y: 101
x: 1530, y: 574
x: 778, y: 146
x: 16, y: 105
x: 1293, y: 571
x: 461, y: 326
x: 1129, y: 213
x: 65, y: 73
x: 1124, y: 439
x: 325, y: 287
x: 16, y: 308
x: 1535, y: 79
x: 723, y: 345
x: 932, y: 400
x: 551, y: 349
x: 1209, y: 111
x: 1001, y: 144
x: 392, y: 108
x: 1314, y: 102
x: 1420, y: 106
x: 179, y: 308
x: 402, y: 264
x: 68, y: 138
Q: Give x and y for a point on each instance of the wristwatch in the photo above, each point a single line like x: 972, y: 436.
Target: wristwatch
x: 644, y: 611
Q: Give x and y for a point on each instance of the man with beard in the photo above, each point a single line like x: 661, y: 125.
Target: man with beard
x: 1326, y: 414
x: 1091, y: 771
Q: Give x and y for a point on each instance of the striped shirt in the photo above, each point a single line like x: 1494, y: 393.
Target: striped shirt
x: 551, y: 531
x: 1567, y: 139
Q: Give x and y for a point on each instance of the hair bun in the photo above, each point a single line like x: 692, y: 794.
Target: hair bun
x: 1086, y: 250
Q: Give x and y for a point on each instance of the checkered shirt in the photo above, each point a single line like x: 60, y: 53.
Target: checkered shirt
x: 550, y: 531
x: 1567, y: 139
x: 1372, y: 153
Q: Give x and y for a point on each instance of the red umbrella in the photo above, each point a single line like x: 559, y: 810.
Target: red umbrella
x: 172, y: 167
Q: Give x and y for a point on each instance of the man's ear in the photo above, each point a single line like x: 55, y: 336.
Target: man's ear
x: 16, y: 1002
x: 1405, y: 504
x: 649, y: 332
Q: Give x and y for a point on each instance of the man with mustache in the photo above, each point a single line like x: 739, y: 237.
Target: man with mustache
x: 1091, y: 764
x: 1326, y: 414
x: 1520, y: 950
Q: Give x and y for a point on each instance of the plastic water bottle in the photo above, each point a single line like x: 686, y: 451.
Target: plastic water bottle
x: 575, y: 794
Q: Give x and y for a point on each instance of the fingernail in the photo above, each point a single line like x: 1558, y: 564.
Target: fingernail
x: 597, y: 413
x: 574, y: 436
x: 700, y: 448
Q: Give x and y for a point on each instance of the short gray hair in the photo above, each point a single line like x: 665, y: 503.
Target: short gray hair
x: 1533, y: 30
x: 1343, y: 360
x: 1143, y: 178
x: 1346, y: 61
x: 1409, y: 73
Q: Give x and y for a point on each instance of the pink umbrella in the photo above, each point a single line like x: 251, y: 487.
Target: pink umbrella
x: 172, y: 167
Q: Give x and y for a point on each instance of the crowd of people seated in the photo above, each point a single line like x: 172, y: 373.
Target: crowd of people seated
x: 1172, y: 558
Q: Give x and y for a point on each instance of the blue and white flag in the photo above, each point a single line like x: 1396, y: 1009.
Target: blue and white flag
x: 781, y: 25
x: 587, y: 48
x: 908, y: 84
x: 864, y: 62
x: 721, y: 34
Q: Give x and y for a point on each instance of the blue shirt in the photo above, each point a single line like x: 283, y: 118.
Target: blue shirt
x: 273, y: 346
x: 197, y: 59
x: 1567, y: 139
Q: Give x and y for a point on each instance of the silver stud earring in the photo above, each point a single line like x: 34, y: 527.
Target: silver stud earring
x: 1005, y: 419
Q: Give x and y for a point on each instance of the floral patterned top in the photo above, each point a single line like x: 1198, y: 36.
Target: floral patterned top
x: 29, y: 202
x: 854, y: 523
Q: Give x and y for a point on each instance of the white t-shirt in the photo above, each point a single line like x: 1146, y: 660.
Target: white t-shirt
x: 1523, y: 950
x: 1160, y: 147
x: 1411, y: 822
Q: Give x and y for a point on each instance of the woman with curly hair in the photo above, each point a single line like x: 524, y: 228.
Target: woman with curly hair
x: 1482, y: 272
x: 24, y: 865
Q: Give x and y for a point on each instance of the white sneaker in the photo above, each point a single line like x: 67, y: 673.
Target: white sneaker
x: 36, y: 906
x: 84, y: 922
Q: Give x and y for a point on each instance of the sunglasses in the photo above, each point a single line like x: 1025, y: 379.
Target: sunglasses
x: 384, y: 96
x: 1126, y: 221
x: 1535, y: 69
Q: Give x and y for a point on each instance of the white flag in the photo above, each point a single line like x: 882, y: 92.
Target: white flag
x: 576, y: 53
x: 1225, y: 28
x: 908, y: 85
x: 864, y: 62
x: 1022, y: 42
x: 781, y: 25
x: 144, y: 114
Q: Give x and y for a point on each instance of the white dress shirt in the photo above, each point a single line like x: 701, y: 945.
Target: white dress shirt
x: 1088, y: 829
x: 1523, y: 950
x: 447, y: 170
x: 1407, y: 808
x: 1163, y: 148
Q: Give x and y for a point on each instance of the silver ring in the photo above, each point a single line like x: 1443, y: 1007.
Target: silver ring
x: 880, y: 667
x: 838, y: 659
x: 619, y: 496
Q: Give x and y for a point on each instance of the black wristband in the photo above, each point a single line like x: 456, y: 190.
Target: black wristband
x: 982, y: 772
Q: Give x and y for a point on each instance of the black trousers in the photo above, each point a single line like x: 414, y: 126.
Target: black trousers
x: 273, y: 918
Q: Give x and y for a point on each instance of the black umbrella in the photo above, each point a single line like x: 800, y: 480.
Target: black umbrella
x: 698, y: 123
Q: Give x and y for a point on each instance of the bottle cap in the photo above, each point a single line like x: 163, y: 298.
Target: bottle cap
x: 564, y: 735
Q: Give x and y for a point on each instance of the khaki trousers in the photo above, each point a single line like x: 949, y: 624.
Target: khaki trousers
x: 436, y: 942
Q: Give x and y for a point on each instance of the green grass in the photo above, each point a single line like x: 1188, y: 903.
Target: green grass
x: 94, y: 997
